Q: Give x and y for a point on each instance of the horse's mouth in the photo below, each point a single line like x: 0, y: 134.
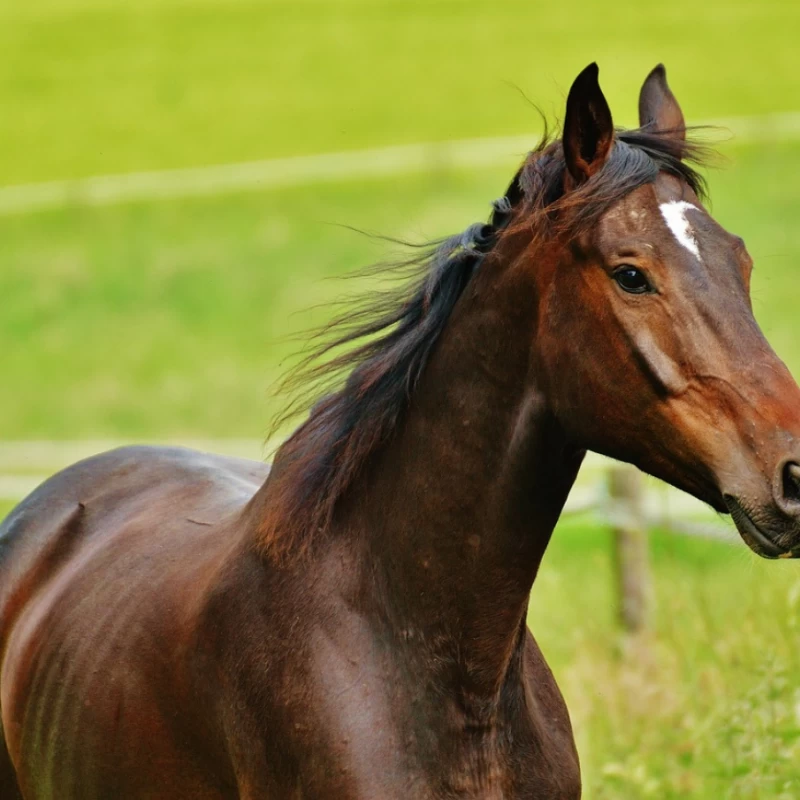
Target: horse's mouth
x: 759, y: 540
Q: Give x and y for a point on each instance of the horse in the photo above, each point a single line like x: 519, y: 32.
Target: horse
x: 351, y: 622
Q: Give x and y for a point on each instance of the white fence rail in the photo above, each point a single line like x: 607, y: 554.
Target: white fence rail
x: 217, y: 179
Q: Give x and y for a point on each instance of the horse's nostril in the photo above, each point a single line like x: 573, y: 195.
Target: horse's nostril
x: 791, y: 482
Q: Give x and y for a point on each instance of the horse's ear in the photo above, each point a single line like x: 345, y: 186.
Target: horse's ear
x: 658, y: 107
x: 588, y: 127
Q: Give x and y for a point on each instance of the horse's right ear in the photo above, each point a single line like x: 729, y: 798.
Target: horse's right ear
x: 588, y: 127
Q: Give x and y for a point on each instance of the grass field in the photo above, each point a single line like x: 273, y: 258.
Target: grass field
x: 169, y: 318
x: 708, y: 705
x: 96, y: 86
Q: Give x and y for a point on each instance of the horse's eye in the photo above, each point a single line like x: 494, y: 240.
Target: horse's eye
x: 632, y: 280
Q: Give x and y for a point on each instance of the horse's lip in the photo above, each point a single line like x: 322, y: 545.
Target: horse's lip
x: 758, y: 541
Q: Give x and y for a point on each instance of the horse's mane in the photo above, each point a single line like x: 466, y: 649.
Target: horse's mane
x: 360, y: 394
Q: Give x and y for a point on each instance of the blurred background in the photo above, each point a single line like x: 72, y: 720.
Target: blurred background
x: 175, y: 178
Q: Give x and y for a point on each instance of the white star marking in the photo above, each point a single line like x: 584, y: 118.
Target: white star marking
x: 674, y: 214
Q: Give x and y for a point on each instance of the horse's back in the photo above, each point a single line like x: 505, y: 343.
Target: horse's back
x: 122, y: 485
x: 131, y: 499
x: 121, y: 476
x: 102, y: 573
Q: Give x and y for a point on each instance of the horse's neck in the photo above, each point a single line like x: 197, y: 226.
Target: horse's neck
x: 457, y: 510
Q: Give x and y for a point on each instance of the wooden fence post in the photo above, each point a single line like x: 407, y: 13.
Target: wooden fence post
x: 630, y: 547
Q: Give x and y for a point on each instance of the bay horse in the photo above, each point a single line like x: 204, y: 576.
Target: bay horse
x: 351, y: 623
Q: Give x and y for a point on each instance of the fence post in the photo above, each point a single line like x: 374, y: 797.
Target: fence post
x: 630, y: 547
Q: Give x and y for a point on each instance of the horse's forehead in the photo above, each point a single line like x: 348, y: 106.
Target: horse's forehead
x: 666, y: 210
x: 636, y: 214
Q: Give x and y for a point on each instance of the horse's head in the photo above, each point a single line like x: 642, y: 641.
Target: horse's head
x: 646, y: 345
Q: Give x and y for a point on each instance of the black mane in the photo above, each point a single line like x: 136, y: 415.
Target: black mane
x: 388, y: 340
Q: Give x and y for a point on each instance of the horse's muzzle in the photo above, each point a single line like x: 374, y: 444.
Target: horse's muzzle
x: 770, y: 532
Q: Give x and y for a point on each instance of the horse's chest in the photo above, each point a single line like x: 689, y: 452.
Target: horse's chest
x: 372, y: 738
x: 364, y: 721
x: 458, y: 771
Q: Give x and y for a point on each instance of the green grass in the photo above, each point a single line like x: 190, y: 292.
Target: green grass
x: 707, y: 705
x: 95, y: 86
x: 169, y: 319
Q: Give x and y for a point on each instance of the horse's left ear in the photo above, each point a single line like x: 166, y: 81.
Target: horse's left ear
x: 588, y: 127
x: 658, y: 107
